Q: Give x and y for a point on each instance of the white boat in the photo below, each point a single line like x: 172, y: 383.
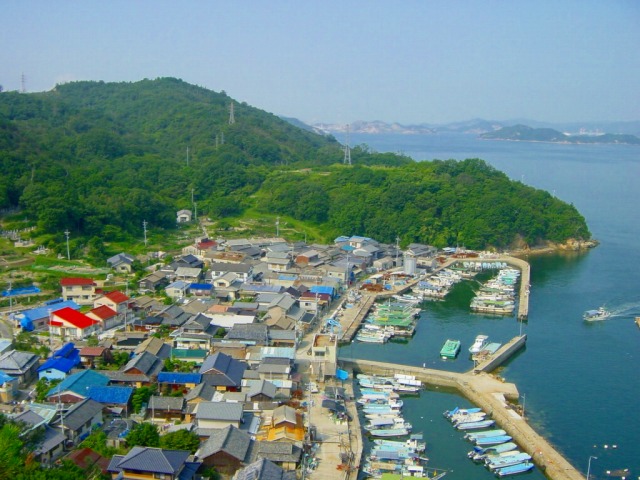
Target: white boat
x: 479, y: 343
x: 460, y: 418
x: 594, y: 315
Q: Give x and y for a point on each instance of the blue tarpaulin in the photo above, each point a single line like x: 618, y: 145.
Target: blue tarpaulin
x: 14, y: 292
x: 342, y: 374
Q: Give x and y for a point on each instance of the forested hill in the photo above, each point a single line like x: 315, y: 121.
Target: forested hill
x: 99, y: 158
x: 524, y: 133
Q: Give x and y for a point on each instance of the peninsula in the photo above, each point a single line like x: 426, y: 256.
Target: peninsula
x: 524, y: 133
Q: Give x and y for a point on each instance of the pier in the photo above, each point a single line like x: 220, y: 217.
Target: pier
x: 501, y: 355
x: 351, y: 318
x: 493, y: 396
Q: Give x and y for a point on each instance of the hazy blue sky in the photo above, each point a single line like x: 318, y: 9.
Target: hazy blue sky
x: 340, y: 61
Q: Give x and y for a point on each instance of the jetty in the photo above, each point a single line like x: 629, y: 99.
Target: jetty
x: 493, y: 396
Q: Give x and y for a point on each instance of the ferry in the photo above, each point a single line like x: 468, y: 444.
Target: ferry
x: 450, y: 349
x: 594, y: 315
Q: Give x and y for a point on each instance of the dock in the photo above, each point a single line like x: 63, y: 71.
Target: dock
x: 501, y: 355
x: 351, y: 318
x: 493, y: 396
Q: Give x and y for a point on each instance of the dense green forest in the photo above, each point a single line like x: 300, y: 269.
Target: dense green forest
x: 100, y: 158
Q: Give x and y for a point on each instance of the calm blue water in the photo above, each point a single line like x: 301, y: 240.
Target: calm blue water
x: 580, y: 382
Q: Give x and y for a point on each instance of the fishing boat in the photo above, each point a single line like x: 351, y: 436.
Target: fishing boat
x: 450, y: 413
x: 486, y: 433
x: 475, y: 425
x: 414, y: 442
x: 450, y: 349
x: 514, y: 469
x: 390, y: 432
x: 479, y: 343
x: 595, y: 315
x: 490, y: 441
x: 478, y: 454
x: 460, y: 418
x: 506, y: 459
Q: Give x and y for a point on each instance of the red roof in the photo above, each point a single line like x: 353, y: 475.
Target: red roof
x: 68, y: 282
x: 207, y: 244
x: 117, y: 296
x: 75, y: 318
x: 91, y: 351
x: 103, y: 312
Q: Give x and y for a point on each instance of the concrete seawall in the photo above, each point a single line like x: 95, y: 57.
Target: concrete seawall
x: 492, y: 396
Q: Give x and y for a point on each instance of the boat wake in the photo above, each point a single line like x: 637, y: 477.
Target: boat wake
x: 625, y: 310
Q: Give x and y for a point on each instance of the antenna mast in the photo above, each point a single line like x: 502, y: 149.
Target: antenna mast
x: 347, y: 150
x: 232, y: 118
x: 23, y: 84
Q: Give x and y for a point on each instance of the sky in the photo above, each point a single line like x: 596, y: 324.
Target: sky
x: 338, y: 61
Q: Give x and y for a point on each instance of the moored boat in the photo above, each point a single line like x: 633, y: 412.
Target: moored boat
x: 479, y: 343
x: 478, y: 454
x: 489, y: 441
x: 475, y: 425
x: 506, y: 459
x: 473, y: 436
x: 514, y: 469
x: 450, y: 349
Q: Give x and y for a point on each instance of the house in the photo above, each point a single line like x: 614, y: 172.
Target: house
x: 80, y: 290
x: 154, y: 281
x: 107, y: 317
x: 69, y: 323
x: 324, y: 355
x: 273, y: 368
x: 216, y: 415
x: 146, y: 364
x: 192, y: 341
x: 74, y: 388
x: 61, y: 362
x: 115, y: 300
x: 200, y: 247
x: 278, y: 261
x: 260, y: 390
x: 188, y: 274
x: 91, y: 356
x: 20, y: 365
x: 263, y: 469
x: 8, y: 388
x: 222, y: 372
x: 285, y: 425
x: 228, y: 320
x: 201, y: 289
x: 154, y: 345
x: 50, y: 444
x: 384, y: 263
x: 286, y: 455
x: 148, y: 463
x: 249, y: 333
x: 200, y: 393
x: 195, y: 355
x: 183, y: 216
x: 86, y: 459
x: 189, y: 261
x: 177, y: 289
x: 121, y: 263
x: 178, y: 381
x: 38, y: 318
x: 77, y: 422
x: 113, y: 398
x: 166, y: 409
x: 218, y: 269
x: 226, y: 449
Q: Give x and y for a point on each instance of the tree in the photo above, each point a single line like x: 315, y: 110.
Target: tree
x: 11, y: 451
x: 97, y: 441
x: 142, y: 395
x: 180, y: 440
x: 144, y: 435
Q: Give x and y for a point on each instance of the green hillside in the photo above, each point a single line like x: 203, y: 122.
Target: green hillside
x: 100, y: 158
x: 524, y: 133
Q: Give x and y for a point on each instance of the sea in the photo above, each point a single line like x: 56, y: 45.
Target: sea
x: 579, y: 382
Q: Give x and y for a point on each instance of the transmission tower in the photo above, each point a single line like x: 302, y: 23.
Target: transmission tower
x: 347, y: 150
x: 23, y: 83
x: 232, y: 118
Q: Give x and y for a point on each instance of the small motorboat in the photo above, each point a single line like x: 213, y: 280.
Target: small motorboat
x: 595, y: 315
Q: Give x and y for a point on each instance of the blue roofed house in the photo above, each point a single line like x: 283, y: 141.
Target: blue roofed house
x: 61, y: 362
x: 38, y: 318
x: 183, y: 381
x: 8, y: 387
x: 114, y: 398
x: 201, y: 289
x: 75, y: 387
x: 148, y: 463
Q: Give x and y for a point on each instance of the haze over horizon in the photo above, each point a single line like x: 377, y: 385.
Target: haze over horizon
x: 412, y: 62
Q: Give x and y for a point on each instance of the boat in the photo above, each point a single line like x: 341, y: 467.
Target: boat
x: 479, y: 343
x: 460, y: 418
x: 390, y: 432
x: 450, y: 349
x: 414, y: 443
x: 475, y: 425
x: 478, y: 454
x: 487, y: 433
x: 450, y: 413
x: 514, y: 469
x: 595, y: 315
x: 506, y: 459
x: 490, y: 441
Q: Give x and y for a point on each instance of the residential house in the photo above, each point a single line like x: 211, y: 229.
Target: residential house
x: 20, y: 365
x: 324, y: 355
x: 8, y: 388
x: 107, y: 317
x: 61, y: 363
x: 200, y: 247
x: 263, y: 469
x: 166, y: 409
x: 309, y: 258
x: 80, y: 290
x: 227, y: 449
x: 144, y: 364
x: 77, y: 422
x: 178, y: 381
x: 121, y: 263
x: 173, y: 316
x: 285, y: 455
x: 216, y: 415
x: 200, y: 393
x: 222, y: 372
x: 92, y: 356
x: 50, y: 446
x: 183, y: 216
x: 74, y: 388
x: 249, y: 333
x: 153, y: 282
x: 274, y: 368
x: 195, y: 355
x: 190, y: 261
x: 384, y: 263
x: 259, y: 390
x: 38, y: 318
x: 201, y: 289
x: 148, y: 463
x: 283, y: 338
x: 285, y: 425
x: 177, y: 289
x: 278, y: 261
x: 228, y: 320
x: 115, y: 300
x: 113, y: 398
x: 218, y: 269
x: 69, y: 323
x: 154, y: 345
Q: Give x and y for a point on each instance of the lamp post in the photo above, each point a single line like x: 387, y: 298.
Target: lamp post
x: 589, y: 466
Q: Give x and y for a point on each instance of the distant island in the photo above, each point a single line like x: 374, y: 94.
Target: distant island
x: 523, y: 133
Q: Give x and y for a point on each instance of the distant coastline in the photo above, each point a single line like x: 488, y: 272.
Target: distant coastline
x: 524, y: 133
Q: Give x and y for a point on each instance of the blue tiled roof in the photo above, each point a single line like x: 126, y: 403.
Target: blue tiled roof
x: 112, y: 395
x: 179, y: 377
x: 201, y: 286
x: 65, y: 350
x: 322, y: 289
x: 58, y: 363
x: 79, y: 382
x: 4, y: 378
x: 43, y: 312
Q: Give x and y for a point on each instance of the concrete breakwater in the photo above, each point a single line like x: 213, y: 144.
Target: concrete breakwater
x: 492, y: 395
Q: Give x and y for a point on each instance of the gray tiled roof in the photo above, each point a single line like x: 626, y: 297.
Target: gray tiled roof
x: 157, y: 402
x: 219, y: 411
x: 80, y: 414
x: 261, y: 387
x: 202, y: 390
x: 156, y: 460
x: 263, y: 469
x: 255, y: 332
x: 222, y: 370
x: 52, y: 438
x: 278, y: 451
x: 230, y: 440
x: 15, y: 362
x: 146, y: 362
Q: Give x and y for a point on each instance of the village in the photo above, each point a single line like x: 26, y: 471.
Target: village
x: 228, y: 340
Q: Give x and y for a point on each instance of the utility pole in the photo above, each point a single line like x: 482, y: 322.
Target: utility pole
x: 397, y: 249
x: 347, y: 150
x: 232, y: 117
x: 277, y: 227
x: 66, y: 232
